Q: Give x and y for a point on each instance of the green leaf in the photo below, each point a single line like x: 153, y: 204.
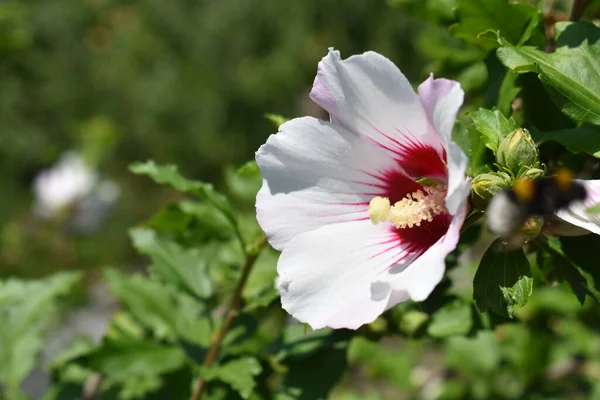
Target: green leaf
x: 586, y: 274
x: 276, y: 119
x: 171, y: 218
x: 169, y: 174
x: 453, y: 318
x: 498, y: 270
x: 517, y: 22
x: 184, y: 269
x: 385, y: 363
x: 239, y: 374
x: 208, y: 224
x: 26, y: 309
x: 135, y: 367
x: 260, y: 288
x: 470, y: 142
x: 493, y: 125
x: 518, y: 295
x: 149, y: 302
x: 299, y: 381
x: 141, y: 357
x: 475, y: 355
x: 585, y: 139
x: 245, y: 185
x: 556, y: 261
x: 573, y: 70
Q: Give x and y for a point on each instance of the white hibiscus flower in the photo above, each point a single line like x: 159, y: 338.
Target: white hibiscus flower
x: 337, y: 267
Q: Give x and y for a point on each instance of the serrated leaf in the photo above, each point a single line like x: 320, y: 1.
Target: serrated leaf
x: 585, y: 139
x: 493, y: 125
x: 141, y: 357
x: 169, y: 174
x: 134, y: 367
x: 573, y: 70
x: 498, y: 270
x: 517, y: 295
x: 149, y: 302
x: 26, y: 308
x: 452, y: 319
x: 174, y: 265
x: 517, y: 22
x: 238, y: 373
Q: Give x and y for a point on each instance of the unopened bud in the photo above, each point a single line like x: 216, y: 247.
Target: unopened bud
x: 517, y: 150
x: 486, y: 186
x: 532, y: 173
x: 532, y: 228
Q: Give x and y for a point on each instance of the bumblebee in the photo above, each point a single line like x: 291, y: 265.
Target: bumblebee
x: 542, y: 197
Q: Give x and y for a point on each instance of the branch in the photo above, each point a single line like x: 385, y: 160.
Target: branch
x: 232, y: 311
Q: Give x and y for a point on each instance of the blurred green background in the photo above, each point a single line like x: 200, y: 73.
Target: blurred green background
x: 185, y: 82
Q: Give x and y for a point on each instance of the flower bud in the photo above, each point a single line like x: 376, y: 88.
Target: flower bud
x: 486, y: 186
x: 517, y: 150
x: 532, y: 228
x: 532, y: 173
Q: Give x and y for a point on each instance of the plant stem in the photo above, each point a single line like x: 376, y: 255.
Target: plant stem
x: 578, y: 9
x: 232, y: 312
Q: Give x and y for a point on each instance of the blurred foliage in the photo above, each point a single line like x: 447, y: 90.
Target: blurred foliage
x: 197, y: 87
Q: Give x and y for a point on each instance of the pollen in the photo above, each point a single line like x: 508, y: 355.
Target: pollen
x: 412, y: 210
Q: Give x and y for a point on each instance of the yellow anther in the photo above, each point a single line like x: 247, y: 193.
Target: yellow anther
x: 415, y: 208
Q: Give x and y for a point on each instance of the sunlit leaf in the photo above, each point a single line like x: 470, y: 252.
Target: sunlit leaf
x: 182, y: 268
x: 573, y: 70
x: 169, y: 174
x: 239, y: 374
x: 149, y: 302
x: 493, y: 125
x: 515, y: 21
x: 517, y: 295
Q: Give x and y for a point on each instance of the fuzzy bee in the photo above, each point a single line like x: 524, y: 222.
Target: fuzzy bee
x: 542, y: 197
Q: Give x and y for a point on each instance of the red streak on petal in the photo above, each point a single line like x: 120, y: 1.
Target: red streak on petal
x: 420, y: 238
x: 398, y: 185
x: 420, y: 160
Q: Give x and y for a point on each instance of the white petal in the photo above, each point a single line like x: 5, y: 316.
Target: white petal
x: 575, y: 214
x: 418, y: 280
x: 441, y: 99
x: 316, y: 173
x: 369, y: 95
x: 328, y: 277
